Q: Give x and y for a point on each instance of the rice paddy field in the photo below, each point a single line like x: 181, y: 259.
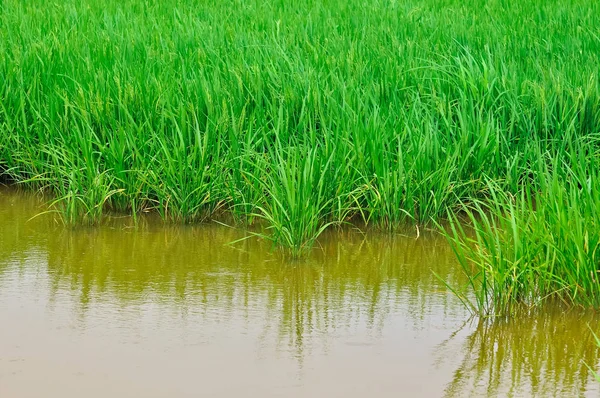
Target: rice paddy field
x: 478, y: 118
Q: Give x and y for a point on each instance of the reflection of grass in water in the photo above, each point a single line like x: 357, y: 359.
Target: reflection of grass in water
x: 351, y: 280
x: 545, y: 352
x: 19, y: 236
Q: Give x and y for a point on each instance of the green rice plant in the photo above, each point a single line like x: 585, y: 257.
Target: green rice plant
x: 540, y: 245
x: 181, y: 175
x: 391, y: 112
x: 298, y: 200
x: 499, y: 266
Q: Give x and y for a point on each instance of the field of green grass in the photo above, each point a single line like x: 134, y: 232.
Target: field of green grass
x: 306, y: 114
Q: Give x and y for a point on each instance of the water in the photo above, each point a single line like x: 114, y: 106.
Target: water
x: 163, y: 311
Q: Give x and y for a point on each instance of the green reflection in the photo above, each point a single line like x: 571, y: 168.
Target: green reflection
x: 362, y: 277
x: 351, y: 280
x: 20, y: 236
x: 541, y: 354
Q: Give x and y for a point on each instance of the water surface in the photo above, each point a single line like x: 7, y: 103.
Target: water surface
x: 161, y: 311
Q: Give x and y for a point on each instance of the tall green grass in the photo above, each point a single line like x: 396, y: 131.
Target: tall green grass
x: 539, y: 245
x: 304, y: 115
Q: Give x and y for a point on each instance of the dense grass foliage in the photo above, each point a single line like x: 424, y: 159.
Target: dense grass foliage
x: 304, y: 113
x: 541, y: 244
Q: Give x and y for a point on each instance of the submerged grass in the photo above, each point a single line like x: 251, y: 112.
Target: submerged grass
x: 309, y: 114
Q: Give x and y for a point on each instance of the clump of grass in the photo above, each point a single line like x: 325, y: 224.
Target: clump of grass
x: 299, y: 199
x: 540, y: 245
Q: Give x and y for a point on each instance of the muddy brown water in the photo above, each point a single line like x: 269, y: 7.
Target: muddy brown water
x: 161, y: 311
